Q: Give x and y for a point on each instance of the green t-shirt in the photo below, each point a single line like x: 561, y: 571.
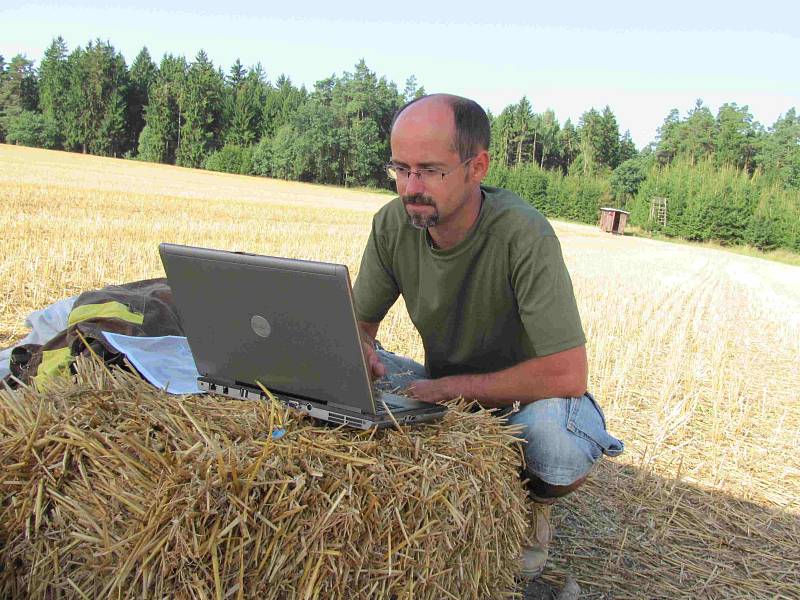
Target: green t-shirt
x: 500, y: 296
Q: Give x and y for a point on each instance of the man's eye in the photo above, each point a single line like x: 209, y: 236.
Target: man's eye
x: 429, y: 171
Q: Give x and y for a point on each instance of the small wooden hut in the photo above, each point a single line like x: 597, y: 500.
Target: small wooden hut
x: 612, y: 220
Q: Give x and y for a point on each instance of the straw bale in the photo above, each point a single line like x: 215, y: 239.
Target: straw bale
x: 109, y: 487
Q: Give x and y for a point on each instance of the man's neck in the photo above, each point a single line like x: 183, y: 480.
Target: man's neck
x: 447, y: 235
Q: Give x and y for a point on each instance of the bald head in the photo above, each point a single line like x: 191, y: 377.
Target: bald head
x: 467, y: 120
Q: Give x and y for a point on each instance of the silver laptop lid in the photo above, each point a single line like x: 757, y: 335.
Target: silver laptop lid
x: 289, y: 324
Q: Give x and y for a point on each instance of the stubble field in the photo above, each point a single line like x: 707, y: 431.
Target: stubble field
x: 694, y: 355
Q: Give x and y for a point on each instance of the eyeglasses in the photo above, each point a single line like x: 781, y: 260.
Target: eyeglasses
x: 428, y: 175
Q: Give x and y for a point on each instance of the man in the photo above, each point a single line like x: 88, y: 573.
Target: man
x: 485, y: 284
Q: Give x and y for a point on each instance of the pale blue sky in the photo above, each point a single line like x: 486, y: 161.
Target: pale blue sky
x: 641, y: 58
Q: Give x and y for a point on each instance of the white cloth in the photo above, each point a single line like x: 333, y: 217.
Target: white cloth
x: 44, y: 325
x: 166, y: 361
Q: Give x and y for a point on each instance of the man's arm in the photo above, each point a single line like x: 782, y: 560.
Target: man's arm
x: 560, y: 375
x: 368, y: 332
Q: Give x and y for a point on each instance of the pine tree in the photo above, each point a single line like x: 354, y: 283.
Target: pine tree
x: 523, y: 132
x: 599, y: 141
x: 569, y: 145
x: 668, y: 138
x: 549, y: 131
x: 697, y: 134
x: 244, y: 105
x: 160, y: 137
x: 608, y: 150
x: 282, y: 102
x: 364, y: 106
x: 202, y: 111
x: 736, y: 137
x: 591, y: 139
x: 236, y: 75
x: 502, y: 133
x: 95, y: 114
x: 627, y: 149
x: 143, y: 74
x: 53, y: 88
x: 412, y: 91
x: 779, y: 154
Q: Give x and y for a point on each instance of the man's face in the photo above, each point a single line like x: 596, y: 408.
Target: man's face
x: 423, y: 137
x: 418, y: 217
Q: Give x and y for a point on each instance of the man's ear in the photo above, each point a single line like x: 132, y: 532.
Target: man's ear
x: 479, y: 166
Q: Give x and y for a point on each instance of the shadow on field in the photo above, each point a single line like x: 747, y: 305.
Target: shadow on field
x: 631, y: 534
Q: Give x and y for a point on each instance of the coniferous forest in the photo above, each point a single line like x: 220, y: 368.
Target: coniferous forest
x: 727, y: 178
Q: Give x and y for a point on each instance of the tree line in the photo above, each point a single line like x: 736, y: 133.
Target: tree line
x: 727, y: 177
x: 193, y: 114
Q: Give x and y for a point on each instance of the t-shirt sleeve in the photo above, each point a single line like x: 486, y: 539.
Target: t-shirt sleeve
x: 375, y: 289
x: 545, y: 297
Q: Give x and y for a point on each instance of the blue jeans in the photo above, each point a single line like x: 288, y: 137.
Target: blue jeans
x: 564, y: 437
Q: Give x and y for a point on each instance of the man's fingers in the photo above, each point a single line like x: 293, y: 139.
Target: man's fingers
x: 376, y: 367
x: 409, y: 389
x: 375, y: 364
x: 424, y: 390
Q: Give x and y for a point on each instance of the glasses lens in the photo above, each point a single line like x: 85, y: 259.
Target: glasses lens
x: 430, y: 176
x: 391, y: 171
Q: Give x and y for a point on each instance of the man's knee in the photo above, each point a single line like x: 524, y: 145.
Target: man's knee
x: 541, y: 491
x: 557, y: 460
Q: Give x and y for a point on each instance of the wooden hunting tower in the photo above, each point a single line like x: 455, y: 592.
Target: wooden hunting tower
x: 658, y: 210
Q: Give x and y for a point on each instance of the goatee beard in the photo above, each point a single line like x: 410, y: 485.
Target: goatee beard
x: 421, y: 221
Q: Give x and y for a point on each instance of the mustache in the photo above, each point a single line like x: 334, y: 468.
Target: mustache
x: 418, y: 199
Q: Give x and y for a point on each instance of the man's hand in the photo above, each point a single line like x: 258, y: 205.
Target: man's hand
x: 432, y: 391
x: 376, y: 367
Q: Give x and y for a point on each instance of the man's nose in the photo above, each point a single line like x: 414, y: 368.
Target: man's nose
x: 414, y: 184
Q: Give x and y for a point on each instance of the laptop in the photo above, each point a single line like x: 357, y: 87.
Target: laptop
x: 288, y: 325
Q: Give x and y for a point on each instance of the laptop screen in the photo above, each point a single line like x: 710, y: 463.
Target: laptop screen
x: 286, y: 323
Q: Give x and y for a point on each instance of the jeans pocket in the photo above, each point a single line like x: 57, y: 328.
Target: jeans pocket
x: 586, y: 420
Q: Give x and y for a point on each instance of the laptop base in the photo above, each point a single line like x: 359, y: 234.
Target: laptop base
x: 336, y: 415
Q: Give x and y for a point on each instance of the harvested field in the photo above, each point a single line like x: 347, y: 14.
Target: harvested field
x: 694, y: 355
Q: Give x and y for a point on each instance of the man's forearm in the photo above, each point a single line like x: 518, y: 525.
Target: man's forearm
x: 558, y: 375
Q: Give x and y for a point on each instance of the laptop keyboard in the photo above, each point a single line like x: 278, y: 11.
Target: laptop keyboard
x: 395, y: 402
x: 386, y: 396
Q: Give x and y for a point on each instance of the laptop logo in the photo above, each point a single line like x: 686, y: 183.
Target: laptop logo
x: 261, y: 326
